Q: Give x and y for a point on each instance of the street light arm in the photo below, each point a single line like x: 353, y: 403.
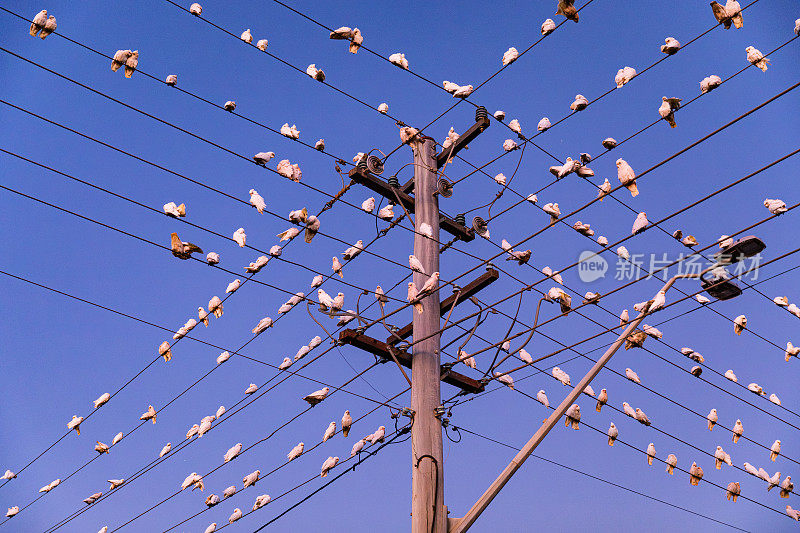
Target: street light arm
x: 460, y: 525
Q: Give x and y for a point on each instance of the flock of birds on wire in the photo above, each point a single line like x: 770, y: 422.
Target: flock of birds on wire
x: 729, y: 15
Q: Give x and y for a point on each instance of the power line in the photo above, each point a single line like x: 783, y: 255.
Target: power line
x: 603, y: 480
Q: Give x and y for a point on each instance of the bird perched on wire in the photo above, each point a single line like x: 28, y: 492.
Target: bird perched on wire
x: 626, y: 176
x: 670, y: 46
x: 755, y: 57
x: 544, y: 124
x: 75, y: 424
x: 413, y: 297
x: 319, y: 75
x: 182, y: 250
x: 353, y: 251
x: 510, y: 56
x: 38, y: 24
x: 775, y: 450
x: 624, y: 75
x: 569, y: 166
x: 642, y: 417
x: 739, y: 324
x: 399, y: 59
x: 567, y: 8
x: 329, y: 463
x: 257, y: 201
x: 119, y: 59
x: 548, y: 27
x: 312, y: 227
x: 695, y: 474
x: 430, y: 285
x: 775, y: 206
x: 635, y: 339
x: 651, y: 453
x: 354, y: 36
x: 573, y: 416
x: 317, y: 396
x: 505, y: 379
x: 613, y: 433
x: 738, y: 431
x: 193, y: 480
x: 50, y: 486
x: 262, y: 158
x: 131, y: 63
x: 150, y: 414
x: 633, y: 376
x: 667, y: 109
x: 561, y: 376
x: 721, y: 457
x: 733, y: 490
x: 580, y: 103
x: 640, y: 224
x: 93, y: 498
x: 709, y: 83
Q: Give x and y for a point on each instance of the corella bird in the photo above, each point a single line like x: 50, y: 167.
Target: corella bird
x: 672, y: 462
x: 541, y: 397
x: 257, y: 201
x: 75, y: 424
x: 196, y: 9
x: 738, y: 430
x: 38, y: 22
x: 640, y: 223
x: 543, y: 124
x: 510, y: 56
x: 175, y: 211
x: 548, y: 27
x: 182, y: 250
x: 776, y: 206
x: 261, y: 501
x: 627, y: 177
x: 212, y: 500
x: 193, y: 480
x: 251, y: 478
x: 624, y: 75
x: 330, y: 431
x: 670, y: 46
x: 251, y: 388
x: 774, y: 399
x: 739, y: 324
x: 317, y: 396
x: 633, y: 376
x: 15, y: 509
x: 755, y: 57
x: 235, y: 515
x: 329, y: 463
x: 652, y: 331
x: 150, y: 414
x: 755, y: 388
x: 8, y: 474
x: 50, y: 486
x: 569, y: 166
x: 505, y: 379
x: 573, y: 416
x: 580, y: 103
x: 316, y: 73
x: 262, y: 325
x: 165, y: 450
x: 775, y: 450
x: 358, y: 446
x: 115, y: 483
x: 553, y: 210
x: 291, y: 132
x: 721, y: 457
x: 561, y: 376
x: 296, y: 452
x: 613, y: 433
x: 353, y: 251
x: 667, y: 109
x: 119, y: 59
x: 247, y: 36
x: 651, y: 453
x: 93, y: 498
x: 733, y: 490
x: 712, y: 418
x: 262, y: 158
x: 709, y: 83
x: 602, y: 399
x: 695, y: 474
x: 641, y: 417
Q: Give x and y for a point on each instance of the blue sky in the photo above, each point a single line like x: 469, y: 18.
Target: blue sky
x: 60, y: 354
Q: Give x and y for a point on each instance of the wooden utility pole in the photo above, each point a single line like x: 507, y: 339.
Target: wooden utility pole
x: 428, y: 513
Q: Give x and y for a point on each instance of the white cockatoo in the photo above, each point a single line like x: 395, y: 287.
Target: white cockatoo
x: 251, y: 478
x: 695, y: 474
x: 642, y: 417
x: 119, y: 59
x: 329, y: 463
x: 251, y: 388
x: 623, y: 253
x: 93, y: 498
x: 285, y: 364
x: 739, y: 324
x: 721, y: 457
x: 613, y: 433
x: 709, y: 83
x: 626, y: 176
x: 515, y: 126
x: 702, y: 300
x: 652, y: 331
x: 347, y: 422
x: 553, y: 210
x: 603, y: 190
x: 467, y: 359
x: 150, y: 414
x: 500, y: 179
x: 463, y: 92
x: 797, y: 27
x: 261, y: 501
x: 781, y: 301
x: 316, y: 73
x: 667, y: 110
x: 262, y: 158
x: 330, y: 431
x: 544, y: 124
x: 408, y: 134
x: 670, y: 46
x: 755, y: 388
x: 509, y: 145
x: 291, y: 132
x: 353, y: 251
x: 548, y: 27
x: 358, y: 446
x: 505, y: 379
x: 115, y: 483
x: 750, y: 469
x: 175, y: 211
x: 602, y: 399
x: 165, y: 450
x: 775, y: 206
x: 774, y: 399
x: 672, y: 462
x: 247, y: 36
x: 38, y: 23
x: 130, y: 64
x: 738, y: 430
x: 50, y: 486
x: 510, y: 56
x: 651, y: 453
x: 633, y: 376
x: 640, y: 223
x: 262, y: 44
x: 569, y: 166
x: 262, y: 325
x: 787, y: 487
x: 224, y: 356
x: 580, y: 103
x: 733, y: 490
x: 541, y: 397
x: 561, y: 376
x: 227, y: 493
x: 430, y: 285
x: 212, y: 500
x: 775, y: 450
x: 289, y: 234
x: 525, y: 357
x: 235, y: 515
x: 317, y: 396
x: 182, y: 249
x: 212, y: 258
x: 383, y: 108
x: 75, y: 423
x: 336, y: 266
x: 302, y: 352
x: 257, y: 201
x: 624, y: 75
x: 240, y: 237
x: 573, y: 416
x: 399, y: 59
x: 193, y: 480
x: 102, y: 400
x: 386, y: 213
x: 296, y: 452
x: 609, y: 143
x: 378, y: 436
x: 712, y: 419
x: 426, y: 230
x: 8, y: 474
x: 731, y: 376
x: 368, y: 205
x: 755, y: 57
x: 624, y: 317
